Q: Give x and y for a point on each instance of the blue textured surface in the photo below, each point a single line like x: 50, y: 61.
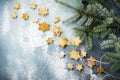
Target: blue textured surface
x: 24, y: 55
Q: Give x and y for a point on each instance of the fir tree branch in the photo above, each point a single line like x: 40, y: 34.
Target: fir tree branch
x: 117, y: 20
x: 115, y: 67
x: 71, y: 18
x: 104, y: 3
x: 113, y: 37
x: 81, y: 11
x: 78, y: 1
x: 91, y: 15
x: 101, y: 10
x: 107, y: 44
x: 65, y: 4
x: 113, y: 56
x: 89, y: 42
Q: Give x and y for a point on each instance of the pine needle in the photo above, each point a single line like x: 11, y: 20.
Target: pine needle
x: 67, y: 5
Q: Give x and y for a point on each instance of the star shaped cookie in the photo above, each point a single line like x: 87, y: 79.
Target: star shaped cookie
x: 44, y: 26
x: 56, y: 19
x: 91, y: 61
x: 25, y: 16
x: 56, y: 30
x: 62, y: 54
x: 43, y: 11
x: 14, y: 15
x: 33, y: 6
x: 49, y: 40
x: 79, y: 67
x: 62, y: 41
x: 35, y: 20
x: 75, y: 55
x: 82, y: 54
x: 100, y: 69
x: 16, y: 6
x: 76, y: 41
x: 70, y: 66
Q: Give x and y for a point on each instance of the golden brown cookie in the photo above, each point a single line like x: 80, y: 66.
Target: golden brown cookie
x: 56, y: 30
x: 44, y: 26
x: 70, y: 66
x: 33, y: 6
x: 75, y: 55
x: 100, y: 69
x: 62, y: 41
x: 14, y: 15
x: 82, y: 54
x: 49, y: 40
x: 56, y: 19
x: 16, y: 6
x: 43, y: 11
x: 25, y: 16
x: 91, y: 61
x: 79, y: 67
x: 76, y: 41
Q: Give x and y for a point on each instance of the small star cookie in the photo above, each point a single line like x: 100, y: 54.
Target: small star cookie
x: 75, y: 55
x: 33, y: 6
x: 62, y: 41
x: 70, y: 66
x: 44, y: 26
x: 75, y: 41
x: 61, y: 54
x: 43, y: 11
x: 100, y: 69
x: 83, y: 54
x: 56, y: 30
x: 14, y: 15
x: 25, y: 16
x: 49, y: 40
x: 16, y: 6
x: 91, y: 61
x: 79, y: 67
x: 56, y: 19
x: 35, y: 20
